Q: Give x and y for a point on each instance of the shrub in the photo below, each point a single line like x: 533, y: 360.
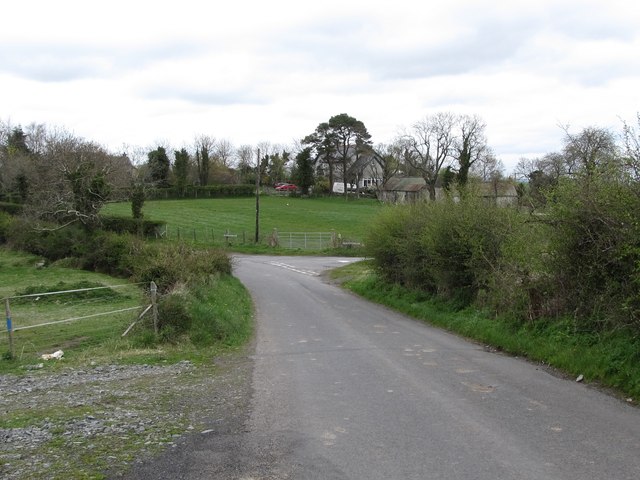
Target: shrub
x: 5, y: 225
x: 466, y: 239
x: 170, y: 264
x: 173, y: 315
x: 448, y: 248
x: 11, y: 208
x: 595, y: 246
x: 54, y: 244
x: 111, y: 253
x: 148, y: 228
x: 196, y: 191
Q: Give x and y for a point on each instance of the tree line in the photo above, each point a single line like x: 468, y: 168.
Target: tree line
x: 60, y: 176
x: 572, y: 257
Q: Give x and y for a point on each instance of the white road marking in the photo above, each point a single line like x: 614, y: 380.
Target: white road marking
x: 294, y: 269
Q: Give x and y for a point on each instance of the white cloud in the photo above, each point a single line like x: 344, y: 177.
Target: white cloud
x: 136, y: 71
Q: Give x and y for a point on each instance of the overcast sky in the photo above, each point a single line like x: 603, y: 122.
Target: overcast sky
x: 140, y: 72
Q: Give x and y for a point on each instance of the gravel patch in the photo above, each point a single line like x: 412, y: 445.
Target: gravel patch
x: 100, y: 421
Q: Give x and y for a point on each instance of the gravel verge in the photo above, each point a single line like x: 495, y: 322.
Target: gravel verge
x: 103, y: 420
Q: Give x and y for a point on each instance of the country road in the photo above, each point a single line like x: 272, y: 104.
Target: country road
x: 345, y: 389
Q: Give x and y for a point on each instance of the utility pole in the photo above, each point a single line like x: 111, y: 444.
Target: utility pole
x: 258, y: 199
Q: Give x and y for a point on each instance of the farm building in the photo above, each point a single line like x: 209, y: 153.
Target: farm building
x: 399, y: 190
x: 404, y: 190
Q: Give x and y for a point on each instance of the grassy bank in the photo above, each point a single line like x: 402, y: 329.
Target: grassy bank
x: 219, y: 310
x: 610, y: 359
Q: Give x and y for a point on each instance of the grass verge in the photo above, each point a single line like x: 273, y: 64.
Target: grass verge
x: 114, y: 400
x: 219, y: 310
x: 610, y: 359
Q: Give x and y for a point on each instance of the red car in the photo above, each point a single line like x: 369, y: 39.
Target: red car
x: 287, y: 187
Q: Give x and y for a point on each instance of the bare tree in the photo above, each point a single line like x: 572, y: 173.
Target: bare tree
x: 470, y: 145
x: 487, y: 166
x: 591, y: 151
x: 631, y: 139
x: 224, y: 152
x: 74, y: 179
x: 388, y: 159
x: 429, y: 146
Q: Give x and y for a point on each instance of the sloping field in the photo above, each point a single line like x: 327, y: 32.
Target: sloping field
x: 212, y: 217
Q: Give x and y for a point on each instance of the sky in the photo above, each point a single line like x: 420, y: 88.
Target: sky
x: 145, y: 73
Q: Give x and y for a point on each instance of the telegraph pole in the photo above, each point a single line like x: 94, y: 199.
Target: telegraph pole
x: 258, y: 199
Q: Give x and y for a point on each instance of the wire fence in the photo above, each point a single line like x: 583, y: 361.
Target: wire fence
x: 288, y: 240
x: 39, y: 322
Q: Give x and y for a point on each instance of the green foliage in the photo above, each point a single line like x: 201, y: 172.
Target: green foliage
x: 221, y: 312
x: 22, y: 186
x: 447, y: 248
x: 89, y: 190
x: 11, y: 208
x: 137, y: 201
x: 149, y: 228
x: 111, y: 253
x: 203, y: 163
x: 5, y: 223
x: 181, y: 168
x: 322, y: 186
x: 394, y: 242
x: 173, y: 316
x: 197, y: 191
x: 596, y: 250
x: 170, y: 264
x: 54, y: 244
x: 159, y: 166
x: 304, y: 176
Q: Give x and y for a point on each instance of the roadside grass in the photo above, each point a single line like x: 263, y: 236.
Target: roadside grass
x: 609, y: 359
x: 208, y: 219
x: 160, y: 406
x: 221, y: 310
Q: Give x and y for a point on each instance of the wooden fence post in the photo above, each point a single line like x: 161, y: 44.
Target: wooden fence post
x: 154, y: 306
x: 12, y: 352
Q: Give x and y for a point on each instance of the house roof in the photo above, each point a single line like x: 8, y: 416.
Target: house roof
x: 501, y: 189
x: 408, y: 184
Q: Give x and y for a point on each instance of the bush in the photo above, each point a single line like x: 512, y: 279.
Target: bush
x: 446, y: 248
x: 11, y: 208
x: 54, y: 244
x: 148, y: 228
x: 171, y: 264
x: 195, y: 191
x: 173, y: 315
x: 5, y: 225
x: 394, y: 241
x: 595, y: 246
x: 112, y: 254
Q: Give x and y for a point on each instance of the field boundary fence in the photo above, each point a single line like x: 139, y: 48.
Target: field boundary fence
x: 286, y: 240
x: 304, y: 240
x: 203, y: 235
x: 52, y: 311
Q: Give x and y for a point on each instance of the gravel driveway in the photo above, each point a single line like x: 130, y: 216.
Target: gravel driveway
x: 103, y: 420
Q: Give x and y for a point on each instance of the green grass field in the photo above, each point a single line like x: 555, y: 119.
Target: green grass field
x: 211, y: 218
x: 19, y: 272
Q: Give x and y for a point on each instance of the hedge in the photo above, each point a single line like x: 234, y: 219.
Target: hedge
x: 208, y: 191
x: 149, y: 228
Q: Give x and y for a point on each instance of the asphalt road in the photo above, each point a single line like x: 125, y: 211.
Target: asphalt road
x: 344, y: 389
